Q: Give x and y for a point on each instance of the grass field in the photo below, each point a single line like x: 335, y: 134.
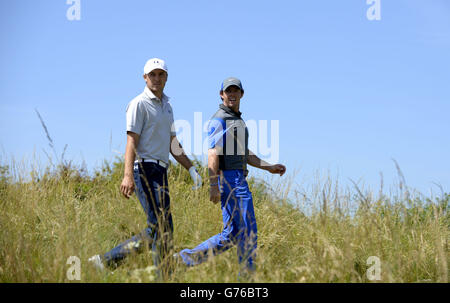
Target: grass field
x: 325, y: 234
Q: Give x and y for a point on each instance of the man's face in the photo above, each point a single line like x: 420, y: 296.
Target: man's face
x: 156, y: 80
x: 232, y: 97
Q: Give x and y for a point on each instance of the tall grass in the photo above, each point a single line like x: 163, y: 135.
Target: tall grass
x: 322, y: 233
x: 318, y: 234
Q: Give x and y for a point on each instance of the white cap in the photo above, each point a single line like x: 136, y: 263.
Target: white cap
x: 155, y: 63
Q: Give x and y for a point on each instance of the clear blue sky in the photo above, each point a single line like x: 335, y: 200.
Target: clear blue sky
x: 350, y: 94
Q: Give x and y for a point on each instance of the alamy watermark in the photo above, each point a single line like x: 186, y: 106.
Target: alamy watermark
x: 74, y: 271
x: 262, y: 137
x: 373, y: 273
x: 74, y: 11
x: 374, y: 11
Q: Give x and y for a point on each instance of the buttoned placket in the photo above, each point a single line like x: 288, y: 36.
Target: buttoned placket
x: 155, y: 99
x: 159, y: 105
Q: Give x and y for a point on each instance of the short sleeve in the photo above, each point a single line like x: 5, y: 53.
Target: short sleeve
x: 135, y: 117
x: 215, y: 133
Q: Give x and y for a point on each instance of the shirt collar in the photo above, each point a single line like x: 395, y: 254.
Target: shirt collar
x: 151, y: 96
x: 230, y: 111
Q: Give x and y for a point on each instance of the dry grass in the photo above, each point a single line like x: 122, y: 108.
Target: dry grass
x: 59, y: 212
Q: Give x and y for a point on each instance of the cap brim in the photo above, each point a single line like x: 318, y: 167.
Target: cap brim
x: 145, y: 73
x: 231, y: 84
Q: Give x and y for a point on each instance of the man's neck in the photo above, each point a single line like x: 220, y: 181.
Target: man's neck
x: 158, y: 94
x: 235, y: 108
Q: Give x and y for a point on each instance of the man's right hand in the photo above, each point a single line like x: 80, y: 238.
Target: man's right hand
x: 127, y: 186
x: 214, y: 194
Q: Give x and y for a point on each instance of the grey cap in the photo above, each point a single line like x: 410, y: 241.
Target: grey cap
x: 230, y: 82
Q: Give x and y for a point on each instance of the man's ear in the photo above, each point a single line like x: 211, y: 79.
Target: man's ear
x: 242, y: 93
x: 221, y: 94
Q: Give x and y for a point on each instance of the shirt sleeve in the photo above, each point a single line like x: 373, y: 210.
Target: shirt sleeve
x: 135, y: 117
x: 216, y: 133
x: 172, y: 124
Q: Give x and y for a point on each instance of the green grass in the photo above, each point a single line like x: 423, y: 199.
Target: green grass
x: 325, y: 234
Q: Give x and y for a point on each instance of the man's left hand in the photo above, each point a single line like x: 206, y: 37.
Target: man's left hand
x: 195, y: 177
x: 277, y: 169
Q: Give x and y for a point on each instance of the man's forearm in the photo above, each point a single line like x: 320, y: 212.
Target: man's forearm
x: 177, y: 152
x: 255, y: 161
x: 213, y: 166
x: 130, y: 155
x: 183, y: 160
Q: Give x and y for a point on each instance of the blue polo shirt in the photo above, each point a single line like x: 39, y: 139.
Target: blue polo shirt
x: 228, y: 133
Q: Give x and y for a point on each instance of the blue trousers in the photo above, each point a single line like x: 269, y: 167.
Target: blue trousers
x: 153, y: 193
x: 239, y: 224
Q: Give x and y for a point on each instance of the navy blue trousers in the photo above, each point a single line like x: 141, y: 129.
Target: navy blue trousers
x: 153, y: 193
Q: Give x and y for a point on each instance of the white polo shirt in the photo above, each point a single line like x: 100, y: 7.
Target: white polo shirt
x: 152, y: 119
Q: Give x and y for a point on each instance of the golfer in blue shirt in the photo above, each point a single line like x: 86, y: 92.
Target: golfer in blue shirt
x: 228, y: 156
